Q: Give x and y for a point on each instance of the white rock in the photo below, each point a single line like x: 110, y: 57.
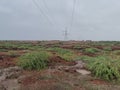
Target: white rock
x: 83, y: 71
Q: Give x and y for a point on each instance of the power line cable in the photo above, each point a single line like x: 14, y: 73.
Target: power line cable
x: 48, y: 10
x: 73, y: 11
x: 72, y: 19
x: 52, y: 21
x: 41, y: 11
x: 45, y: 4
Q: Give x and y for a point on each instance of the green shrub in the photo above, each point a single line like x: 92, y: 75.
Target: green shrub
x: 34, y: 60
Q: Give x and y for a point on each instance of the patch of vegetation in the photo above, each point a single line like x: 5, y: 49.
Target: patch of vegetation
x: 104, y: 67
x: 91, y: 50
x: 64, y: 53
x: 116, y: 52
x: 78, y: 47
x: 3, y: 50
x: 13, y: 54
x: 107, y: 48
x: 34, y: 60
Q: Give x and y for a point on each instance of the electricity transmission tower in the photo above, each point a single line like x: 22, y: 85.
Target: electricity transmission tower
x: 71, y: 23
x: 66, y: 34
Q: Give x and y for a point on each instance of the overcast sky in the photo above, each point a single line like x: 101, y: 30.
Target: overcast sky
x: 93, y: 19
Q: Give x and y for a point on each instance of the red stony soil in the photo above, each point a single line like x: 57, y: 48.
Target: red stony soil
x: 6, y: 61
x: 99, y: 82
x: 43, y: 79
x: 56, y: 60
x: 116, y: 48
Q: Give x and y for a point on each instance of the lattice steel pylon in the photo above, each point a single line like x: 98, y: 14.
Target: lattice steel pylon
x: 66, y: 34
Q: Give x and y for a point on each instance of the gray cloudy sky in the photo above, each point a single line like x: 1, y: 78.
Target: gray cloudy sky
x: 93, y: 19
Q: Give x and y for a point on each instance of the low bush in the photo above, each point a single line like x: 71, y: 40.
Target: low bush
x: 34, y: 60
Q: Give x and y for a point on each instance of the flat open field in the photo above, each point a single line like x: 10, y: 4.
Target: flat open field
x: 59, y: 65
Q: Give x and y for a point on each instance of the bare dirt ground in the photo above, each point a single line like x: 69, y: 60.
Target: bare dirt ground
x: 13, y: 77
x: 6, y: 61
x: 60, y: 75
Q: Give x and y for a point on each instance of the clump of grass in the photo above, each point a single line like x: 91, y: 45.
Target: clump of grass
x: 3, y: 50
x: 116, y: 52
x: 91, y: 50
x: 64, y: 53
x: 34, y: 60
x: 78, y: 47
x: 13, y: 54
x: 60, y: 50
x: 108, y: 48
x: 85, y: 59
x: 104, y: 67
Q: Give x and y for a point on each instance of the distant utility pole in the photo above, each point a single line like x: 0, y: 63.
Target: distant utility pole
x: 66, y: 34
